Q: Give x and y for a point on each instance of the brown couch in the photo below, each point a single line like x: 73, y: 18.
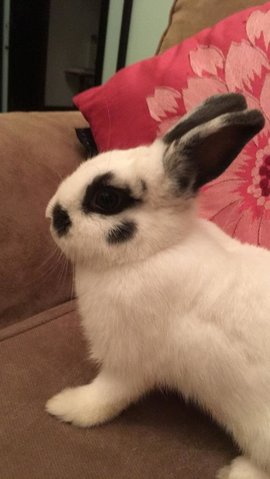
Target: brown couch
x: 41, y: 348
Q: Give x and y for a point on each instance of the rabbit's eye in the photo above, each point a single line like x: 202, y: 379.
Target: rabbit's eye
x: 107, y: 200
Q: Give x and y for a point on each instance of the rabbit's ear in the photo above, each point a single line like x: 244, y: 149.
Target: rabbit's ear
x: 212, y: 108
x: 207, y: 150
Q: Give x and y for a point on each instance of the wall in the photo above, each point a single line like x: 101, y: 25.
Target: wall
x: 112, y: 38
x: 72, y: 22
x: 148, y: 22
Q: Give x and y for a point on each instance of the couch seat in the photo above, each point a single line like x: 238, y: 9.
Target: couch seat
x: 160, y: 437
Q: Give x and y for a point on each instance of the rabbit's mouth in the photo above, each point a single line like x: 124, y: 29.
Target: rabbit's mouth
x: 64, y: 243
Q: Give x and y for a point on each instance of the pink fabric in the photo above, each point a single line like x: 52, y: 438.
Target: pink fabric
x: 142, y: 101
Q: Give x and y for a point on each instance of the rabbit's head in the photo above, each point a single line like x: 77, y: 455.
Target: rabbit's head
x: 123, y: 206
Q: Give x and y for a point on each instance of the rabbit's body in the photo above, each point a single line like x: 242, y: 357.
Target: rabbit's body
x: 194, y: 317
x: 167, y: 299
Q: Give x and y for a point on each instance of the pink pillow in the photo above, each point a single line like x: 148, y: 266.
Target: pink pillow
x: 142, y: 101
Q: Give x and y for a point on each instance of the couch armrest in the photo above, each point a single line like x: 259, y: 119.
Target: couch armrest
x: 36, y: 151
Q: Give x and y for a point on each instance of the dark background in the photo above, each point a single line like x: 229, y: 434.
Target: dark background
x: 28, y: 48
x: 1, y: 38
x: 28, y: 43
x: 29, y: 23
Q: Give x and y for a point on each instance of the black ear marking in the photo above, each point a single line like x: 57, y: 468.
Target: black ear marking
x: 122, y: 232
x: 213, y: 107
x: 180, y: 171
x: 219, y: 148
x: 206, y: 151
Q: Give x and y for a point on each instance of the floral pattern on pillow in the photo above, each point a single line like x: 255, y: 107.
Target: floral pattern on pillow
x: 239, y: 200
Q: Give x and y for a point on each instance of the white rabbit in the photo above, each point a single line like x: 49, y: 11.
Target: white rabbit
x: 165, y: 298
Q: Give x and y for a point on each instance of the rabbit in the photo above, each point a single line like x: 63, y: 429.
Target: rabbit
x: 167, y: 299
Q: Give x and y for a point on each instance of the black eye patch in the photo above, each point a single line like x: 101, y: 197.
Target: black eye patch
x: 103, y: 198
x: 122, y: 232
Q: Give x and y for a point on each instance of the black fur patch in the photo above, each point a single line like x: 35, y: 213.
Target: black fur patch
x: 183, y: 183
x: 60, y: 220
x: 213, y: 107
x: 206, y: 155
x: 102, y: 184
x: 122, y: 232
x: 181, y: 169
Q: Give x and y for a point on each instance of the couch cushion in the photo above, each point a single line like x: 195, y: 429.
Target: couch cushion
x: 36, y: 151
x: 190, y: 16
x: 159, y: 437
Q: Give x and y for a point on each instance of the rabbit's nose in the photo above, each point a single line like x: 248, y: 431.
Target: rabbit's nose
x: 60, y: 220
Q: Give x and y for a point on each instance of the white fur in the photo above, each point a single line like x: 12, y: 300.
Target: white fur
x: 241, y: 468
x: 181, y: 305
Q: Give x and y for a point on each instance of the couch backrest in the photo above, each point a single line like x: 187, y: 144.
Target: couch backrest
x: 36, y: 151
x: 190, y: 16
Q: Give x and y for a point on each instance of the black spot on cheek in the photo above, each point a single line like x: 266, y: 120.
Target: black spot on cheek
x: 122, y: 232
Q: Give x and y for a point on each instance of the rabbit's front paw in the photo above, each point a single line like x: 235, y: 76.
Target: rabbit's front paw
x: 79, y: 407
x: 241, y: 468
